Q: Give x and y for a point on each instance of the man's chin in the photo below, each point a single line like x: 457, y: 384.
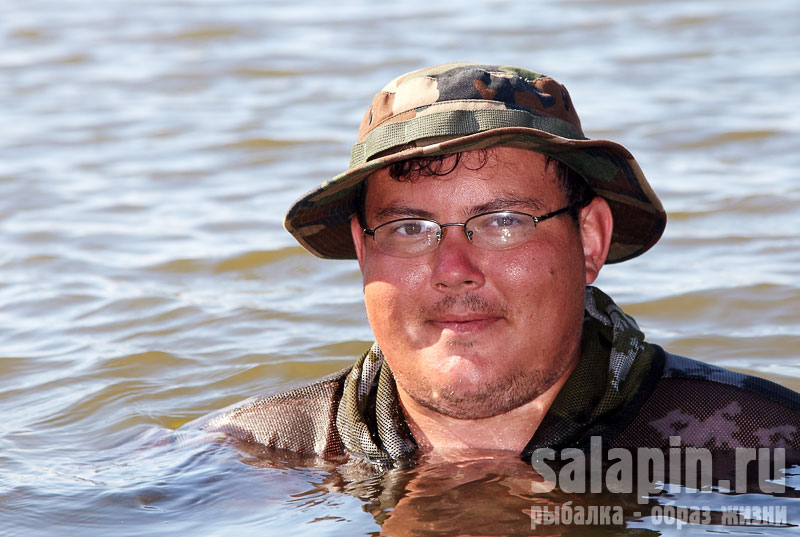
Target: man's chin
x: 463, y: 358
x: 470, y: 407
x: 463, y: 400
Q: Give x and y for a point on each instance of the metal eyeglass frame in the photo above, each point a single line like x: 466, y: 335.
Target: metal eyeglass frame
x: 468, y: 234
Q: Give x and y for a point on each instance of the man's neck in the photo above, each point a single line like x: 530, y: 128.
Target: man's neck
x: 511, y: 431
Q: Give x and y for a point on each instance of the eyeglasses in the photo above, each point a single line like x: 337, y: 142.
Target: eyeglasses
x: 497, y: 230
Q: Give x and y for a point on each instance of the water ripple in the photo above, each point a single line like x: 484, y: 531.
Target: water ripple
x: 150, y: 151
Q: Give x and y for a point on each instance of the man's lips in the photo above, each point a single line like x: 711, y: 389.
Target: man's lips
x: 464, y: 315
x: 463, y: 324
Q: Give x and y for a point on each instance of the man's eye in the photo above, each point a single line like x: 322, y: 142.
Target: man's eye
x: 505, y: 220
x: 408, y: 228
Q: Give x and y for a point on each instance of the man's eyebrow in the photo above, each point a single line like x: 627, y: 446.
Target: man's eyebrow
x: 395, y: 210
x: 398, y: 210
x: 506, y: 203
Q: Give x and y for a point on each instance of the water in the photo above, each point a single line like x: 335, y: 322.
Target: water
x: 150, y: 150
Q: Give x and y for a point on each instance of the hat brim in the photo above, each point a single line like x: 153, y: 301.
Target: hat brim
x: 320, y: 220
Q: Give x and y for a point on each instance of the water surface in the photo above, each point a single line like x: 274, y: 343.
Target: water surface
x: 150, y: 150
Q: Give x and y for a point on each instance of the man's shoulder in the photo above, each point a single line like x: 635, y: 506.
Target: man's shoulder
x: 709, y: 406
x: 681, y: 369
x: 301, y: 420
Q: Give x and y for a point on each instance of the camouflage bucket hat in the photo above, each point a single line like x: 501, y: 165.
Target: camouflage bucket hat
x: 459, y: 107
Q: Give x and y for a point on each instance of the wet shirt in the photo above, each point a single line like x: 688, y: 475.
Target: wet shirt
x: 626, y: 391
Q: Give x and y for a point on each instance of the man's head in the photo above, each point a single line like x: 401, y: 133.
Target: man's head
x: 487, y: 313
x: 470, y: 331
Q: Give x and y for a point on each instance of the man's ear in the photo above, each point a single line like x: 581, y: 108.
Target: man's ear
x: 596, y: 225
x: 358, y: 240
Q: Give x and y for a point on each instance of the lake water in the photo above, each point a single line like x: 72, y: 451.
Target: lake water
x: 150, y: 149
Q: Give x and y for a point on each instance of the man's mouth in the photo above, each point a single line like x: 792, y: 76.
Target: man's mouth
x: 465, y: 324
x: 464, y: 315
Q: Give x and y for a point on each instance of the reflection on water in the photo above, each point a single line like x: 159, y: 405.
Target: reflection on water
x: 150, y: 150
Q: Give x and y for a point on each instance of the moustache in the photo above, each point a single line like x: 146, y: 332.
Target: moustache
x: 469, y: 302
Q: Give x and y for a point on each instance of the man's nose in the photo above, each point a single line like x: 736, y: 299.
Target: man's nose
x: 454, y: 263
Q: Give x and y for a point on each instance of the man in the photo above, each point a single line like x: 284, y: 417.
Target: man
x: 480, y: 215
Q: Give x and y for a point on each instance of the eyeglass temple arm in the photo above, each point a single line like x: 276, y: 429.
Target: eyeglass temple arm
x: 538, y: 219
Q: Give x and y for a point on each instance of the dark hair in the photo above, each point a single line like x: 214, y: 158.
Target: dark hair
x: 577, y: 191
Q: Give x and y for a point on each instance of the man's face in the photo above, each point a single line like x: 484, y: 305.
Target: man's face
x: 468, y: 332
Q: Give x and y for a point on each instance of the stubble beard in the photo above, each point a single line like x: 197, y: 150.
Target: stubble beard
x: 494, y: 398
x: 501, y: 396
